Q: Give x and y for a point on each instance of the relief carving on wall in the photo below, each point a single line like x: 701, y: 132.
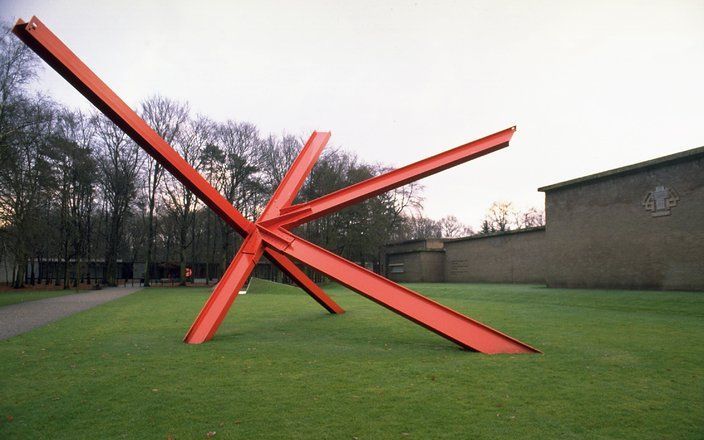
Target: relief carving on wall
x: 660, y: 201
x: 459, y: 266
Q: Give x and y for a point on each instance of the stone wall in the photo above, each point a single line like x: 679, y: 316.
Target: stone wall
x: 510, y: 257
x: 640, y: 228
x: 636, y: 227
x: 426, y: 266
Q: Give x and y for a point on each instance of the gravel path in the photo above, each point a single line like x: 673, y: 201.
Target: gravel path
x: 16, y: 319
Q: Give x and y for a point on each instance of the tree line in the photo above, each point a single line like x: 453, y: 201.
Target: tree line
x: 501, y: 216
x: 74, y: 188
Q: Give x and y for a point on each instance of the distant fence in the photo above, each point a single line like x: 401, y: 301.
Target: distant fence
x: 92, y: 283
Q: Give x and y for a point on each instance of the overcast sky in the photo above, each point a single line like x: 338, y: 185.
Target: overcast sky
x: 591, y: 85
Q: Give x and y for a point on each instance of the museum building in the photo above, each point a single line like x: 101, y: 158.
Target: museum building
x: 635, y: 227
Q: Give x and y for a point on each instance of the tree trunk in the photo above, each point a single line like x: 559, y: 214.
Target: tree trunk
x: 110, y: 255
x: 21, y: 271
x: 183, y: 236
x: 77, y: 275
x: 31, y: 277
x: 207, y: 248
x: 66, y: 282
x: 150, y: 242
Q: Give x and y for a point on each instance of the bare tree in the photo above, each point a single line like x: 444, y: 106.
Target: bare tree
x: 331, y: 172
x: 237, y: 177
x: 18, y: 66
x: 25, y: 124
x: 453, y: 228
x: 501, y: 216
x: 275, y: 158
x: 213, y: 159
x: 423, y: 227
x: 77, y: 169
x: 179, y: 201
x: 63, y: 181
x: 119, y: 163
x: 25, y: 177
x: 166, y: 117
x: 405, y: 200
x: 73, y: 169
x: 531, y: 218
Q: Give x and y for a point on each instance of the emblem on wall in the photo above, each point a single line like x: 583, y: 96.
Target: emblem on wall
x: 660, y: 201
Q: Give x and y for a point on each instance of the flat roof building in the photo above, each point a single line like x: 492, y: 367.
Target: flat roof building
x: 634, y: 227
x: 639, y: 226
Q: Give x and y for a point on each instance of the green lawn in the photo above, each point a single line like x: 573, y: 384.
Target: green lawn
x: 616, y: 365
x: 14, y: 297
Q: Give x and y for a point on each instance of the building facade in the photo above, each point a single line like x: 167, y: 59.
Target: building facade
x: 635, y: 227
x: 415, y: 261
x: 504, y: 257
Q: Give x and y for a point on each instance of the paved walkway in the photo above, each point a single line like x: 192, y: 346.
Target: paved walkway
x: 16, y: 319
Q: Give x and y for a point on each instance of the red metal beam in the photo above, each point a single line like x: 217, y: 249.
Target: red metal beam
x: 50, y: 48
x: 283, y: 197
x: 335, y: 201
x: 38, y: 37
x: 301, y: 279
x: 442, y: 320
x: 210, y: 317
x: 292, y: 182
x: 268, y: 233
x: 217, y: 306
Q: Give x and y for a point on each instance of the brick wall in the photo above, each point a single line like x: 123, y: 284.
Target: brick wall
x: 636, y: 227
x: 416, y: 266
x: 607, y: 232
x: 513, y: 257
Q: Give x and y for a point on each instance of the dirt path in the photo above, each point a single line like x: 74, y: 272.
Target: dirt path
x: 16, y: 319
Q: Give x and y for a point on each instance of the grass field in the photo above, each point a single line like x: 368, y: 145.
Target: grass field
x: 615, y: 365
x: 18, y: 296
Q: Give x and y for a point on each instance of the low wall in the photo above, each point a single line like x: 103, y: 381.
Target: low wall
x: 425, y: 266
x: 509, y: 257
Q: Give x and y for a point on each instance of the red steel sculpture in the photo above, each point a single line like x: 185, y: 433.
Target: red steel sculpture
x: 270, y: 234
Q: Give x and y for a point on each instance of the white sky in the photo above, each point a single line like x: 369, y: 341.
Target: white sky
x: 591, y: 85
